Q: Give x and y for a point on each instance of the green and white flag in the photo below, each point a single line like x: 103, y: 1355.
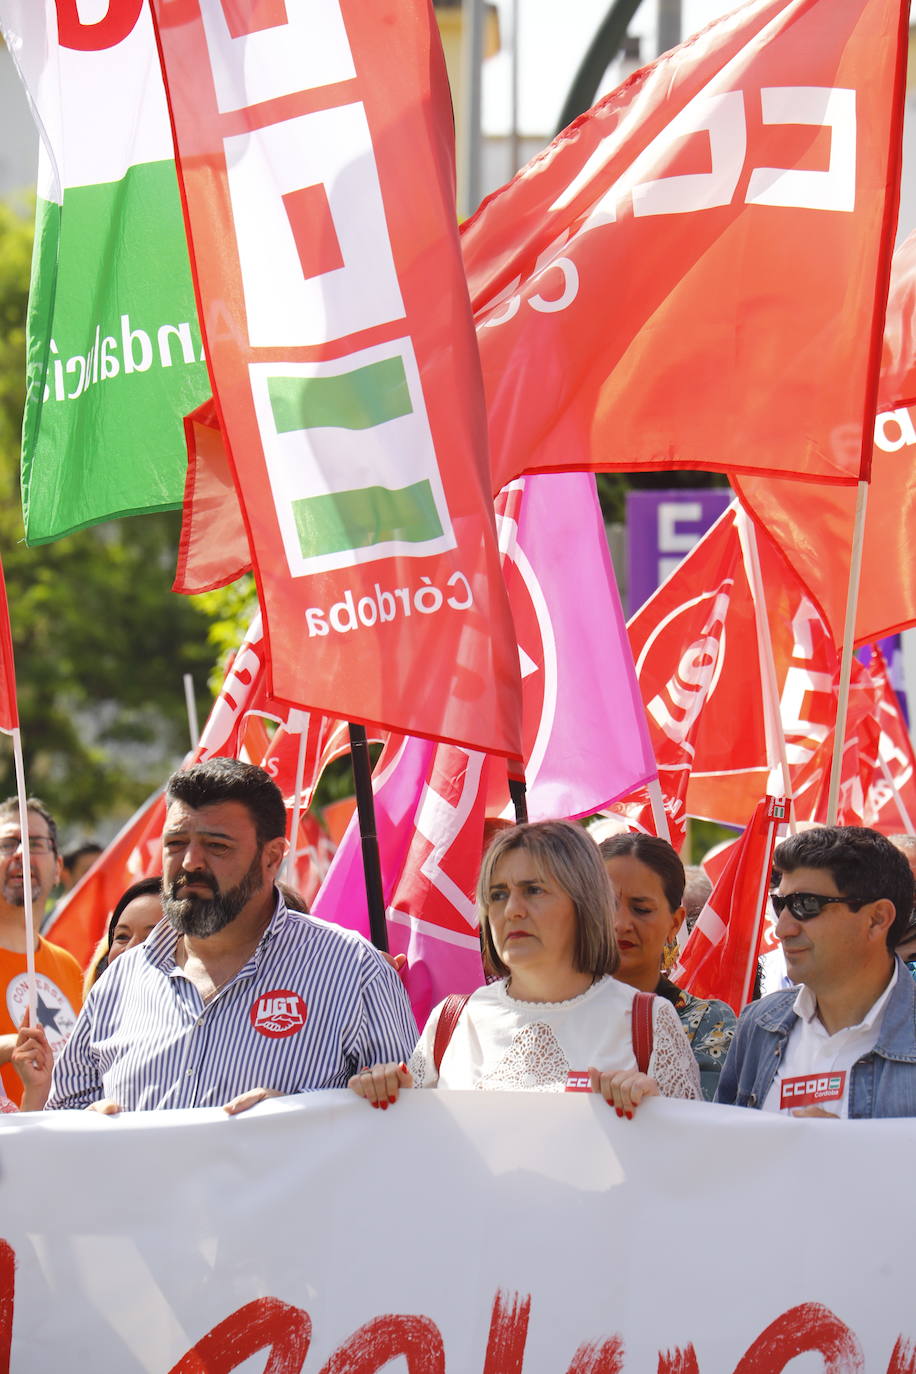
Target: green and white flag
x: 114, y: 347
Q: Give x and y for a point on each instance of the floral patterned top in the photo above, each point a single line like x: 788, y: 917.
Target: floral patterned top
x: 709, y: 1026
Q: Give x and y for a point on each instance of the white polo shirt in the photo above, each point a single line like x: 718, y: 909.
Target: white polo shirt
x: 816, y: 1065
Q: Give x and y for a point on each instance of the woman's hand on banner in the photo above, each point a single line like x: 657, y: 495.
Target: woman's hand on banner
x: 623, y: 1090
x: 381, y: 1084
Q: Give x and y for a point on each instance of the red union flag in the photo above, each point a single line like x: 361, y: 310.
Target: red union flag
x: 679, y: 648
x: 720, y: 956
x: 314, y: 153
x: 698, y: 662
x: 694, y: 274
x: 808, y: 520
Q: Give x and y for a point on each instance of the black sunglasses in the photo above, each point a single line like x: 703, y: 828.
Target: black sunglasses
x: 804, y: 906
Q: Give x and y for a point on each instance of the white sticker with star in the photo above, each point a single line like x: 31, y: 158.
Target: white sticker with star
x: 53, y: 1008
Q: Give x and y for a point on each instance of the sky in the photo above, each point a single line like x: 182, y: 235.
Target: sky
x: 553, y: 39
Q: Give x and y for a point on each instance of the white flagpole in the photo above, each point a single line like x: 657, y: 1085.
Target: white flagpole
x: 898, y: 800
x: 852, y: 599
x: 654, y: 789
x: 752, y: 955
x: 769, y: 687
x: 289, y: 863
x: 26, y: 878
x: 191, y: 706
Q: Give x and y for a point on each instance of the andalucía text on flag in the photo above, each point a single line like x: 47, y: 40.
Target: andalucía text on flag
x: 114, y: 347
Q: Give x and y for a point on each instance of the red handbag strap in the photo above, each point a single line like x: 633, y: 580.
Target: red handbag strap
x: 449, y: 1017
x: 642, y: 1029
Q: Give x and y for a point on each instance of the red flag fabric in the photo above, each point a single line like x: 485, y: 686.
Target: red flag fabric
x: 725, y: 709
x: 694, y: 273
x: 80, y: 919
x: 9, y: 710
x: 135, y: 853
x: 890, y: 803
x: 585, y: 741
x: 897, y: 386
x: 698, y: 662
x: 720, y: 956
x: 677, y: 640
x: 808, y: 521
x: 315, y: 159
x: 877, y: 786
x: 213, y: 549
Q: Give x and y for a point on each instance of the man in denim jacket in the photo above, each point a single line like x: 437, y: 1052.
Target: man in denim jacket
x: 843, y: 1042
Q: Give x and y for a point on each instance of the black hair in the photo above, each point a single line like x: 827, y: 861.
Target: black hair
x: 863, y: 863
x: 146, y: 887
x: 656, y: 854
x: 72, y: 856
x: 223, y: 780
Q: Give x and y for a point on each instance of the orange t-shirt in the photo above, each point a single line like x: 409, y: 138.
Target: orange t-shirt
x: 60, y: 996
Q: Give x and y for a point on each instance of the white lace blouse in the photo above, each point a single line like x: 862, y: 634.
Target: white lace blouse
x: 501, y: 1043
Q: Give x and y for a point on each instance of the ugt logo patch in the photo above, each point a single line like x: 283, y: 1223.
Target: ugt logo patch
x: 278, y: 1013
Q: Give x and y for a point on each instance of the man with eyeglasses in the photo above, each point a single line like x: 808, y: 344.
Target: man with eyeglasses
x: 58, y: 976
x: 842, y: 1043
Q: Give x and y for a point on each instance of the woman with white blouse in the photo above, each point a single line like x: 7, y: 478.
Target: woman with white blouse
x: 557, y: 1019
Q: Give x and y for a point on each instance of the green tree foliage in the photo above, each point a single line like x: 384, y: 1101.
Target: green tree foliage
x: 101, y: 642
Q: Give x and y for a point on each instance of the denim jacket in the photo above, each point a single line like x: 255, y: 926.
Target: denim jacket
x: 882, y: 1082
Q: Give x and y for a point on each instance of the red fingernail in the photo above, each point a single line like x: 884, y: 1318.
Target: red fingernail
x: 392, y: 1099
x: 403, y: 1067
x: 384, y: 1106
x: 374, y: 1104
x: 619, y: 1111
x: 629, y: 1116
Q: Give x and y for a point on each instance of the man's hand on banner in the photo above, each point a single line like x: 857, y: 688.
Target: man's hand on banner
x: 245, y: 1101
x: 624, y: 1089
x: 106, y: 1106
x: 381, y: 1084
x: 814, y: 1111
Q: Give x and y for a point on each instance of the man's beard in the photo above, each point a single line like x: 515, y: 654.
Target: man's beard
x: 14, y: 891
x: 203, y: 916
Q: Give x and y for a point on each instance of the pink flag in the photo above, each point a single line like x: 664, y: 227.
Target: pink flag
x: 586, y: 742
x: 585, y: 732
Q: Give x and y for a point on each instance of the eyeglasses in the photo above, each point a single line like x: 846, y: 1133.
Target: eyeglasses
x: 804, y: 906
x: 38, y: 844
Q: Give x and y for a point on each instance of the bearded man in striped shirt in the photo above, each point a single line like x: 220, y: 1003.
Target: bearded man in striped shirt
x: 232, y: 997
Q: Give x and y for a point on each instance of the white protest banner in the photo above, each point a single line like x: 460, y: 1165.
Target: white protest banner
x: 473, y: 1233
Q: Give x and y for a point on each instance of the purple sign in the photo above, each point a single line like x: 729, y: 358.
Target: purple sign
x: 662, y: 527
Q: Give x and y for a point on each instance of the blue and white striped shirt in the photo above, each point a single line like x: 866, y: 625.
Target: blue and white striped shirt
x: 311, y: 1006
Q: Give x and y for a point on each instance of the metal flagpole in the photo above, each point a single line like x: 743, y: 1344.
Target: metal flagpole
x: 472, y: 34
x: 852, y: 598
x: 365, y: 806
x: 518, y: 794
